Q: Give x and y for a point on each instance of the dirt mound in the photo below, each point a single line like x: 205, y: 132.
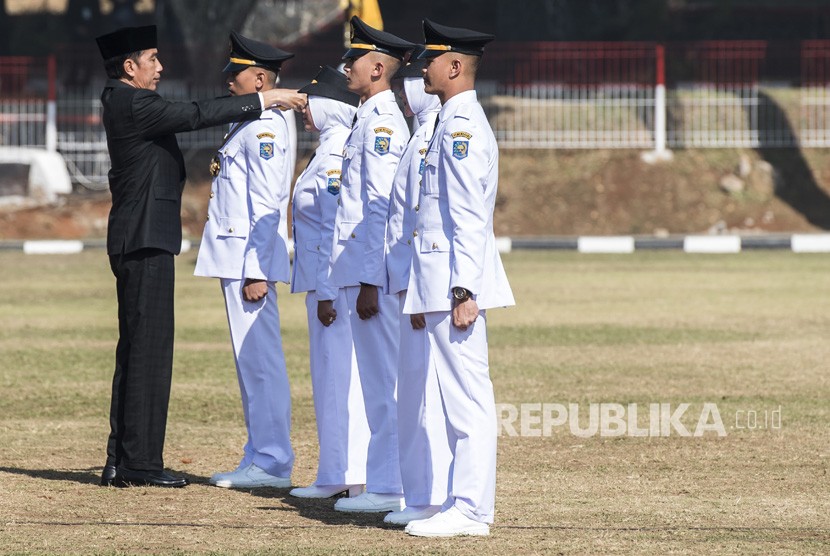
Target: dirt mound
x: 566, y: 193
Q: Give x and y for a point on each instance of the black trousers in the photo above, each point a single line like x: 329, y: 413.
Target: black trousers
x: 143, y: 359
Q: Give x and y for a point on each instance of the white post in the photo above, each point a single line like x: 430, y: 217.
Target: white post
x: 51, y: 107
x: 660, y: 120
x: 51, y: 126
x: 660, y: 152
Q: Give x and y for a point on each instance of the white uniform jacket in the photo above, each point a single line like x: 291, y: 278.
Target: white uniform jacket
x: 316, y: 196
x: 245, y: 235
x: 453, y: 241
x: 370, y: 159
x: 403, y: 204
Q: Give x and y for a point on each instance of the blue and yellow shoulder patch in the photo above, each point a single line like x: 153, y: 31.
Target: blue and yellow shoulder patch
x: 333, y: 182
x: 265, y: 134
x: 460, y: 147
x: 266, y: 150
x: 382, y: 144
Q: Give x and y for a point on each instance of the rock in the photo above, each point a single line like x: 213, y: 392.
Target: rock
x: 718, y: 228
x: 766, y: 179
x: 732, y: 184
x: 744, y: 166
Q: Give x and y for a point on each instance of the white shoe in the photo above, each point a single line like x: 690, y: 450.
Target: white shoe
x: 326, y: 491
x: 450, y: 523
x: 411, y: 513
x: 370, y: 502
x: 251, y: 476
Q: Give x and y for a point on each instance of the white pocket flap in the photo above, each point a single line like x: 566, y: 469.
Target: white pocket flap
x: 352, y: 231
x: 434, y: 241
x: 232, y: 227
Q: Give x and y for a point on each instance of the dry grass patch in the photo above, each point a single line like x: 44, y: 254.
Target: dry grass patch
x: 746, y: 333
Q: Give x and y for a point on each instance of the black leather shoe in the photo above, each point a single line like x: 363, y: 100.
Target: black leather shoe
x: 130, y: 477
x: 108, y: 476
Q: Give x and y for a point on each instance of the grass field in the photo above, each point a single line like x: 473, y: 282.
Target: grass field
x: 747, y: 334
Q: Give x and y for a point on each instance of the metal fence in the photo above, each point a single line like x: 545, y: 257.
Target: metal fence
x: 537, y: 95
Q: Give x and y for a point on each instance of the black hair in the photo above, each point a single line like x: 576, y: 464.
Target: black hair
x: 115, y: 66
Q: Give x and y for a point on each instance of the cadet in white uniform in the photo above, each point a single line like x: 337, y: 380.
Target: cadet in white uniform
x: 422, y: 434
x: 245, y: 245
x: 457, y: 274
x: 357, y: 267
x: 342, y: 430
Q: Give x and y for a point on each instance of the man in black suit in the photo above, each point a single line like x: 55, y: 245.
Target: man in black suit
x: 144, y: 233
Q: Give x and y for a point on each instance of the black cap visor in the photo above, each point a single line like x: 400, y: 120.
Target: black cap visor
x: 326, y: 90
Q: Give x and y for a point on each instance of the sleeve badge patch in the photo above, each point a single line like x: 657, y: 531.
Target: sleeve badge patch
x: 265, y: 134
x: 459, y: 149
x: 382, y: 144
x: 333, y: 186
x: 266, y: 150
x: 385, y: 130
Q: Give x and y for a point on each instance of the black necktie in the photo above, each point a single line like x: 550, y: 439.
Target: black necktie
x: 354, y: 120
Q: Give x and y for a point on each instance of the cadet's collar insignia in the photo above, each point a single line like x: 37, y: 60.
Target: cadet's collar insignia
x: 385, y: 130
x: 382, y: 144
x: 464, y: 134
x: 215, y: 166
x: 266, y: 150
x: 459, y: 149
x: 422, y: 152
x: 265, y: 134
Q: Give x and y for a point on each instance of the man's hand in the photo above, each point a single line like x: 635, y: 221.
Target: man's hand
x: 464, y: 313
x: 254, y: 290
x: 326, y: 312
x: 284, y: 98
x: 367, y: 301
x: 418, y: 321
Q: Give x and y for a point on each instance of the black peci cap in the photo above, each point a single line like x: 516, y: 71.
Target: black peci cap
x: 441, y: 38
x: 366, y: 39
x: 330, y: 83
x: 126, y: 41
x: 414, y: 66
x: 246, y: 53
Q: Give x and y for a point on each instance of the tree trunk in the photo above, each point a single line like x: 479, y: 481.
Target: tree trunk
x: 204, y: 26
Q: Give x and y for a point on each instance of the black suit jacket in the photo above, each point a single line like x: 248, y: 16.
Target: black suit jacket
x: 147, y: 175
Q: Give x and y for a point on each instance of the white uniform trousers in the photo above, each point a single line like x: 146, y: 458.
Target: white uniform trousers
x: 342, y: 429
x: 263, y: 379
x: 422, y: 431
x: 376, y: 349
x: 461, y: 363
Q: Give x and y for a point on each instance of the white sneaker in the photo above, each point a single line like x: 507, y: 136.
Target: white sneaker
x: 450, y: 523
x: 411, y: 513
x: 370, y: 502
x: 326, y: 491
x: 251, y: 476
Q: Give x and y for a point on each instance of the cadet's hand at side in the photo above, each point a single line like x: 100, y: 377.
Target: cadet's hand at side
x: 326, y: 312
x: 285, y: 98
x: 418, y: 321
x: 464, y: 313
x: 254, y: 290
x: 367, y: 301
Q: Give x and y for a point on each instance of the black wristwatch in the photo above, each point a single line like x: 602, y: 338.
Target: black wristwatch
x: 461, y: 294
